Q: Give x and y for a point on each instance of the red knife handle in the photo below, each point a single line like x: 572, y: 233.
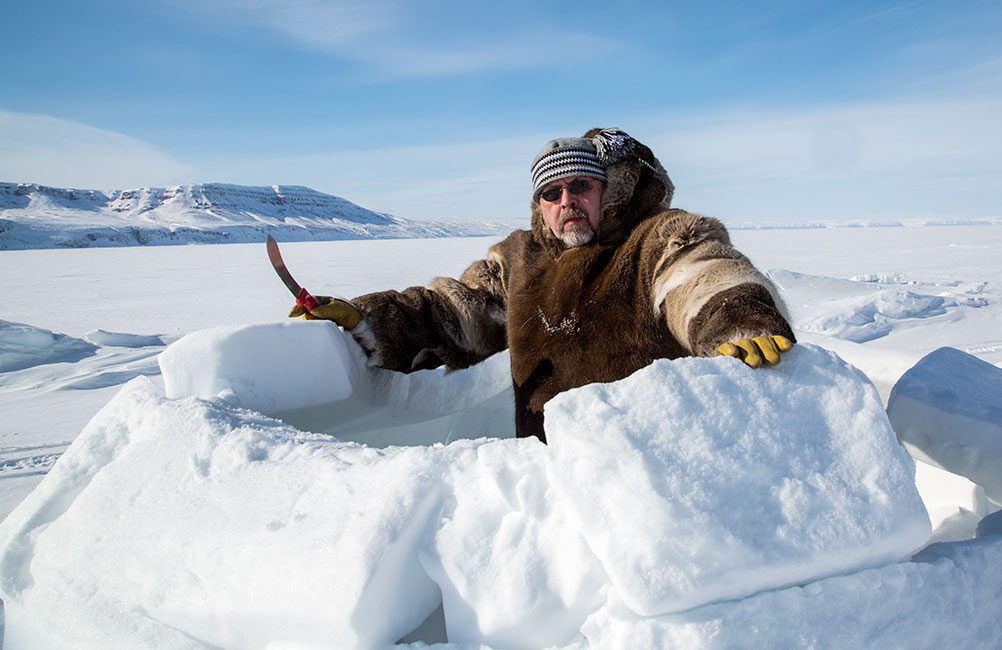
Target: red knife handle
x: 304, y: 299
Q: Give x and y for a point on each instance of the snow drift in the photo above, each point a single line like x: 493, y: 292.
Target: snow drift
x: 23, y: 346
x: 177, y: 521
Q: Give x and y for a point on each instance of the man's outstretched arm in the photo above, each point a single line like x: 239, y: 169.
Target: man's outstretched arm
x: 712, y: 297
x: 452, y: 322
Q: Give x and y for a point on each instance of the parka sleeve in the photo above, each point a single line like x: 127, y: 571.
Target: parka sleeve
x: 453, y: 322
x: 705, y: 289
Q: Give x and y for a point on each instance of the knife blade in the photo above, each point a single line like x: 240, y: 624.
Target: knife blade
x: 303, y: 297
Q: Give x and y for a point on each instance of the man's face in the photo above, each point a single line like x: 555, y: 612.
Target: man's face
x: 572, y: 211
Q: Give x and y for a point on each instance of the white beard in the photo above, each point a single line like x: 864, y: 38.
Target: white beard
x: 577, y: 234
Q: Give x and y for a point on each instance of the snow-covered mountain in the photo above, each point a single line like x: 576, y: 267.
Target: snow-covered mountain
x: 36, y: 216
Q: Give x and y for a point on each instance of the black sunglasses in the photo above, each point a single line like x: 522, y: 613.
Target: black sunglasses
x: 574, y: 187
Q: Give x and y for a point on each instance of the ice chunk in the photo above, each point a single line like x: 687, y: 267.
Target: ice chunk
x: 947, y: 411
x: 122, y: 340
x: 699, y: 480
x: 23, y: 346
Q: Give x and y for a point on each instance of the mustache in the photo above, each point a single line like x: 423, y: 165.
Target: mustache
x: 572, y: 213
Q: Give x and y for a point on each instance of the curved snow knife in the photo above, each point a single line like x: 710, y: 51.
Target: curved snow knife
x: 303, y: 297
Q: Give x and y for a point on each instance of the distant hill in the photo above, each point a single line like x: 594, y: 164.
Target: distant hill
x: 36, y: 216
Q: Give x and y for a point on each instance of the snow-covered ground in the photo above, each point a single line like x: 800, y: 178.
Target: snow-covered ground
x: 175, y: 521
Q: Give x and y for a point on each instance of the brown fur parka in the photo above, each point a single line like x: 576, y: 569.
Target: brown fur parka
x: 655, y: 283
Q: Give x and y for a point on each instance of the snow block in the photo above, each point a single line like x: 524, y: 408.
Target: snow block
x: 949, y: 599
x: 700, y: 480
x: 181, y: 524
x: 313, y: 375
x: 947, y: 411
x: 513, y: 571
x: 305, y: 362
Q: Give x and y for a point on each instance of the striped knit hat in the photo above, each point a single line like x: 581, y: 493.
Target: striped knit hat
x: 571, y: 157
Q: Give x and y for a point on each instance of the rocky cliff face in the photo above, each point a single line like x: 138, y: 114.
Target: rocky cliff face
x: 16, y: 196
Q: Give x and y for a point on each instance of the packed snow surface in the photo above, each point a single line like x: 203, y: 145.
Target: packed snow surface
x: 654, y: 497
x: 947, y: 410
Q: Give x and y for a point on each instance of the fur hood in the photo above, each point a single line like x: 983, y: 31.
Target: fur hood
x: 637, y: 187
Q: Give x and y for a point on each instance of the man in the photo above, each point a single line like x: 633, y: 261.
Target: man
x: 608, y: 279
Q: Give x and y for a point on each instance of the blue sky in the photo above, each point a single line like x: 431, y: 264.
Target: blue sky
x: 783, y: 111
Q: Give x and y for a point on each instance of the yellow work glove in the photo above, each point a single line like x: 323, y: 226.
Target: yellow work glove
x: 757, y: 350
x: 333, y: 309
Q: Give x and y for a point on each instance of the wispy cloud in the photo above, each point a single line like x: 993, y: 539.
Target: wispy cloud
x: 887, y: 11
x: 895, y: 159
x: 65, y: 153
x: 317, y: 23
x: 401, y: 39
x: 506, y: 51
